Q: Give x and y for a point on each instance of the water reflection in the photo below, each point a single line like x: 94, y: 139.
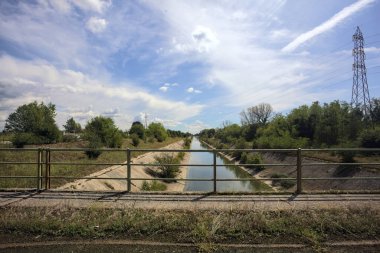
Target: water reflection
x: 225, y: 172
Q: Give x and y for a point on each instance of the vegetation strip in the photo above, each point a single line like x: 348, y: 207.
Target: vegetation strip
x: 157, y: 243
x: 310, y: 227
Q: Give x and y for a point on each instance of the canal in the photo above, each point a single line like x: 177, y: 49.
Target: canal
x: 222, y: 172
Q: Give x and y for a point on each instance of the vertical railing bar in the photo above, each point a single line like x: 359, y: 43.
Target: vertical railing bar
x: 214, y: 170
x: 46, y: 168
x: 299, y: 171
x: 129, y: 182
x: 38, y: 168
x: 49, y: 168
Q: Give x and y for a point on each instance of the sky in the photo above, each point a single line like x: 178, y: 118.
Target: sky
x: 187, y: 64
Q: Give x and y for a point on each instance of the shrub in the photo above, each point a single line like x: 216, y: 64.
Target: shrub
x: 281, y: 142
x: 93, y: 151
x: 284, y: 183
x: 187, y: 143
x: 370, y: 138
x: 69, y: 138
x: 252, y: 158
x: 239, y: 144
x: 168, y: 171
x: 153, y: 186
x: 19, y: 140
x: 135, y: 140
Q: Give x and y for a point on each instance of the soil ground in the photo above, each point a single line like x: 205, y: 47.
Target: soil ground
x: 121, y: 172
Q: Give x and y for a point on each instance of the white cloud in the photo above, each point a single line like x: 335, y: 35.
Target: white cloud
x: 164, y: 88
x: 96, y: 25
x: 327, y: 25
x: 243, y: 69
x: 92, y: 5
x: 73, y: 89
x: 192, y: 90
x: 196, y: 127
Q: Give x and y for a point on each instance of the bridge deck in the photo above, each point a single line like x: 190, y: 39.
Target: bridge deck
x: 186, y: 201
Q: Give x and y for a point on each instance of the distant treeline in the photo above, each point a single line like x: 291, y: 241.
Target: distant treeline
x: 334, y: 124
x: 34, y: 123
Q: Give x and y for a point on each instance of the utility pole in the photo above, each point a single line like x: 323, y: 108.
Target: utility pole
x: 360, y: 93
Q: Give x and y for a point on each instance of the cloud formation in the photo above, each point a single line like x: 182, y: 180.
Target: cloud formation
x: 327, y: 25
x: 65, y: 87
x: 96, y: 25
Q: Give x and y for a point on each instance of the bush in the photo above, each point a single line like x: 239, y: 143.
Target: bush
x: 104, y: 131
x: 239, y: 144
x: 168, y: 171
x: 252, y: 158
x: 135, y: 140
x: 281, y: 142
x: 19, y: 140
x: 347, y: 156
x: 284, y: 183
x: 69, y: 138
x: 93, y: 151
x: 370, y: 138
x: 153, y: 186
x: 187, y: 143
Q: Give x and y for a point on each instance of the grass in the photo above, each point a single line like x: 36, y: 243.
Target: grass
x: 193, y: 226
x: 153, y: 186
x: 63, y: 156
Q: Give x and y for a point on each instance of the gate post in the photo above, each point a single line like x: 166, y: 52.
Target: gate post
x: 39, y: 165
x: 299, y: 171
x: 47, y: 168
x: 214, y: 171
x: 129, y: 182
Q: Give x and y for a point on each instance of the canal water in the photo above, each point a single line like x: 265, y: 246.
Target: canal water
x: 222, y: 172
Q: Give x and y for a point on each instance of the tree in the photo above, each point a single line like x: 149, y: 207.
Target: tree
x: 258, y: 114
x: 103, y: 130
x: 35, y: 120
x: 375, y: 110
x: 137, y: 128
x: 72, y: 126
x: 158, y: 131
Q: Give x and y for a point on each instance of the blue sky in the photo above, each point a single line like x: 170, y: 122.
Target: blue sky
x: 188, y: 64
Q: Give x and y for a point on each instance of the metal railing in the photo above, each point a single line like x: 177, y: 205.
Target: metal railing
x: 44, y: 163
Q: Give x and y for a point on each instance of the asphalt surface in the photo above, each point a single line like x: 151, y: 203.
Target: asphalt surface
x: 53, y: 198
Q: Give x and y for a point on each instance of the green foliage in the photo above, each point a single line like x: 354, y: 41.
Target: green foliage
x: 239, y: 144
x: 94, y: 145
x: 370, y: 138
x: 284, y: 183
x: 158, y: 131
x: 37, y: 120
x: 375, y: 110
x: 177, y: 133
x: 168, y: 171
x: 104, y: 131
x: 101, y: 131
x: 72, y: 126
x: 69, y: 138
x: 153, y: 186
x: 135, y: 140
x: 137, y: 128
x: 187, y: 142
x: 19, y: 140
x: 228, y: 134
x: 252, y: 158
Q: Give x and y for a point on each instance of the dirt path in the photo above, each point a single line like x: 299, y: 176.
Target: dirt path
x: 121, y: 172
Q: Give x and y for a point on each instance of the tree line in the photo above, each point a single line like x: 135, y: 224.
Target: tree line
x: 334, y: 124
x: 34, y: 123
